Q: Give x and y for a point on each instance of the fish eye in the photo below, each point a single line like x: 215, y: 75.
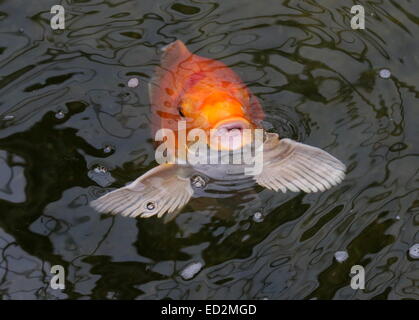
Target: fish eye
x: 180, y: 112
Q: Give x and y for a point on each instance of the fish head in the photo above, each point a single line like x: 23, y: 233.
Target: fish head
x: 223, y: 118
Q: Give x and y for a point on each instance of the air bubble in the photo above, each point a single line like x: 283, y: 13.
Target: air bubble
x: 258, y: 217
x: 191, y: 270
x: 385, y: 73
x: 150, y: 206
x: 60, y: 115
x: 133, y: 83
x: 101, y: 176
x: 414, y: 251
x: 8, y: 117
x: 198, y: 182
x: 100, y: 169
x: 107, y: 149
x: 341, y: 256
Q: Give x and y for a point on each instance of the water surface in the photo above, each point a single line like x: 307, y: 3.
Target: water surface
x: 71, y: 129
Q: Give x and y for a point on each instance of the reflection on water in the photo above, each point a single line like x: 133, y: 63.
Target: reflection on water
x: 64, y: 99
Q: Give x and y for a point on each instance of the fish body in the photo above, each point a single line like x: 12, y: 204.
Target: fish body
x: 205, y: 94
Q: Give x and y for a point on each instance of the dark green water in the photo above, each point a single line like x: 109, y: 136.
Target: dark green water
x: 318, y: 82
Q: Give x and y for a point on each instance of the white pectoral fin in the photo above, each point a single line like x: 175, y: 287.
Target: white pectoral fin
x: 164, y: 189
x: 290, y: 165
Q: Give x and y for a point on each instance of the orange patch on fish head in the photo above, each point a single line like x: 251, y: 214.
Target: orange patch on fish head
x: 222, y: 117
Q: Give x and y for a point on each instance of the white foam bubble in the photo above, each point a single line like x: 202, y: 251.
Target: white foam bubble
x: 414, y: 251
x: 191, y: 270
x: 341, y: 256
x: 385, y: 73
x: 133, y: 83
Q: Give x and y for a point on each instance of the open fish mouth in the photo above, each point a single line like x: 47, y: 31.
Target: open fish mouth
x: 232, y: 129
x: 229, y: 134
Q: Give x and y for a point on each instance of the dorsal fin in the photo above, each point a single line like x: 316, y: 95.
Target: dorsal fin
x: 167, y: 76
x: 174, y: 53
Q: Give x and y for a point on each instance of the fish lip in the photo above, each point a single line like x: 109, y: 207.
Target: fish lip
x: 231, y: 124
x: 231, y: 129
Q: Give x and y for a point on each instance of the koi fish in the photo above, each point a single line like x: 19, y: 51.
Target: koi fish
x: 206, y: 94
